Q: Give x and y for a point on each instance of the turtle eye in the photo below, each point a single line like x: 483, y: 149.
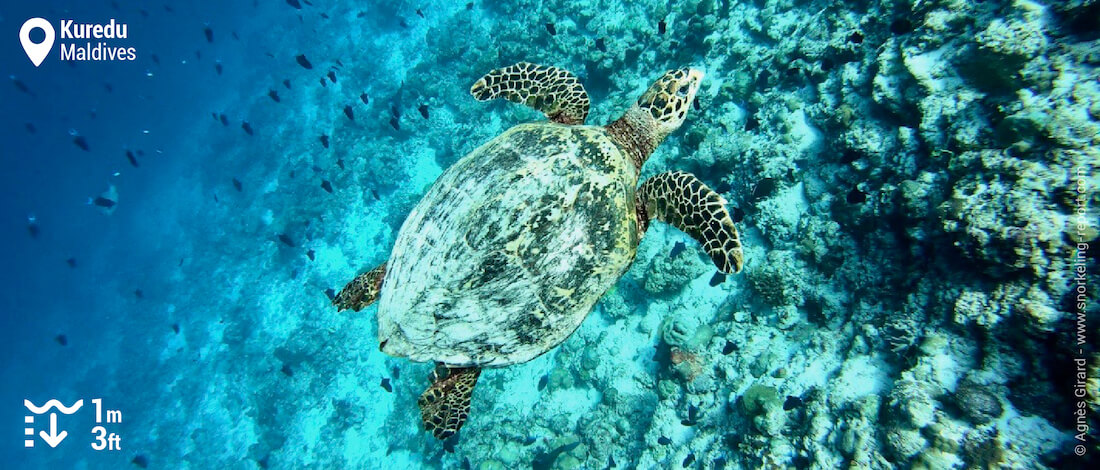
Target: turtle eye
x: 682, y: 92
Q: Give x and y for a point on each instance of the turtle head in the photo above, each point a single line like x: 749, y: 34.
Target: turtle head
x: 669, y: 98
x: 659, y: 112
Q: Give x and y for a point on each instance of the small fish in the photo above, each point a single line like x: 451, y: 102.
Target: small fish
x: 375, y: 194
x: 224, y: 119
x: 764, y: 188
x: 423, y: 108
x: 325, y: 185
x: 729, y: 348
x: 419, y: 13
x: 530, y: 440
x: 323, y: 82
x: 218, y: 68
x: 364, y: 98
x: 394, y: 111
x: 677, y: 249
x: 32, y: 227
x: 141, y: 461
x: 274, y: 95
x: 332, y: 76
x: 247, y: 127
x: 340, y: 163
x: 601, y: 44
x: 661, y: 26
x: 133, y: 160
x: 237, y: 184
x: 176, y: 328
x: 690, y: 459
x: 855, y: 196
x: 286, y: 83
x: 286, y: 370
x: 324, y: 140
x: 139, y: 294
x: 551, y: 29
x: 303, y: 61
x: 330, y: 293
x: 403, y: 23
x: 791, y: 403
x: 737, y: 215
x: 81, y: 142
x: 692, y: 417
x: 339, y: 63
x: 751, y: 123
x: 71, y: 262
x: 216, y: 197
x: 664, y: 441
x: 718, y: 278
x: 62, y: 340
x: 348, y: 112
x: 395, y: 124
x: 469, y: 5
x: 21, y: 86
x: 209, y: 34
x: 311, y: 254
x: 30, y: 128
x: 286, y: 240
x: 324, y: 15
x: 386, y: 384
x: 180, y: 263
x: 545, y: 461
x: 294, y: 3
x: 611, y: 461
x: 695, y: 103
x: 543, y: 381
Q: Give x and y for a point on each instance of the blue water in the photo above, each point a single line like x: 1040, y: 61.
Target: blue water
x: 199, y: 309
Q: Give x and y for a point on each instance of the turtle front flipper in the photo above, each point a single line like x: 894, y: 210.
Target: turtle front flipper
x: 445, y: 405
x: 361, y: 291
x: 553, y: 91
x: 680, y: 199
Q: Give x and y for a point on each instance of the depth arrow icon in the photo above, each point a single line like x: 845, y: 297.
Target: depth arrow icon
x: 53, y: 438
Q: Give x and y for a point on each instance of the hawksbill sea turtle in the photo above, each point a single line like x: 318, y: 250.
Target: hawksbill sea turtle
x: 514, y: 244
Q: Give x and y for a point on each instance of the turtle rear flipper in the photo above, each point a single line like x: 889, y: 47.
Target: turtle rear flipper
x: 553, y: 91
x: 445, y: 405
x: 361, y: 291
x: 680, y: 199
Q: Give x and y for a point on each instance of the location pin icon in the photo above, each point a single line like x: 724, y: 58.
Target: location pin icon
x: 36, y: 52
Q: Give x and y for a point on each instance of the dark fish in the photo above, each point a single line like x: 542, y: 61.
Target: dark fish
x: 274, y: 95
x: 611, y: 462
x: 695, y: 103
x: 330, y: 293
x: 855, y: 196
x: 729, y: 348
x: 292, y: 173
x: 218, y: 68
x: 303, y: 61
x: 465, y: 460
x: 469, y: 5
x: 737, y: 215
x: 325, y: 185
x: 348, y: 112
x: 529, y: 440
x: 81, y: 142
x: 718, y: 278
x: 543, y: 381
x: 247, y: 127
x: 375, y: 194
x: 403, y: 23
x: 21, y: 86
x: 423, y: 110
x: 419, y: 13
x: 30, y: 128
x: 311, y: 254
x: 661, y: 26
x: 139, y: 294
x: 286, y: 240
x: 751, y: 123
x: 176, y: 328
x: 764, y: 188
x: 32, y: 228
x: 133, y: 160
x: 324, y: 15
x: 237, y: 184
x: 791, y: 403
x: 235, y: 36
x: 855, y: 38
x: 156, y: 60
x: 71, y: 262
x: 364, y: 98
x: 386, y: 384
x: 225, y: 120
x: 332, y: 76
x: 209, y: 34
x: 287, y: 371
x: 340, y: 163
x: 395, y: 123
x: 141, y: 461
x: 449, y: 444
x: 677, y: 249
x: 294, y: 3
x: 690, y: 459
x: 664, y: 441
x: 338, y: 63
x: 601, y: 44
x: 286, y: 83
x: 216, y: 197
x: 180, y: 263
x: 103, y: 202
x: 62, y: 340
x: 551, y: 29
x: 394, y: 111
x: 324, y: 140
x: 323, y: 82
x: 545, y: 461
x: 692, y: 417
